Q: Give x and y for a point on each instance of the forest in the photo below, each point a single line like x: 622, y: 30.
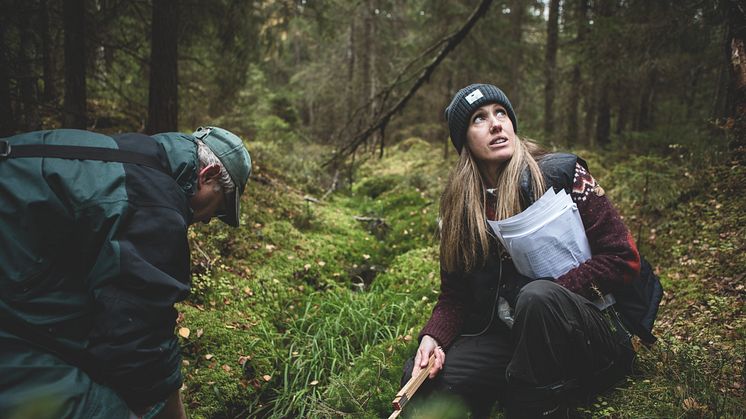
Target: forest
x: 312, y: 306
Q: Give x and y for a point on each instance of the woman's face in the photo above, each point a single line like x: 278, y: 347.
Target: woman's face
x: 490, y: 136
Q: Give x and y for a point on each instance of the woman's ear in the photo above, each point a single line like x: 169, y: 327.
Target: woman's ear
x: 208, y: 174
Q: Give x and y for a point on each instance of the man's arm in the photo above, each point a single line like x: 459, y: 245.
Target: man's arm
x: 141, y: 270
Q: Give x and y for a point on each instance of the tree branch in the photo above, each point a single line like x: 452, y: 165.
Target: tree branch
x: 380, y: 123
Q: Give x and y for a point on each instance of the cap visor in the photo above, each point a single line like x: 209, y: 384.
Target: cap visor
x: 232, y: 203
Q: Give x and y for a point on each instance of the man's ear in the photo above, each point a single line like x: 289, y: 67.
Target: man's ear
x: 209, y: 173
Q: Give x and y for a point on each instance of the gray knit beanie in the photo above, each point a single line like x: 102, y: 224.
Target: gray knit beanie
x: 466, y: 101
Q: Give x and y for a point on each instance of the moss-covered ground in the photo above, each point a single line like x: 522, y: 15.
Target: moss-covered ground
x: 310, y: 308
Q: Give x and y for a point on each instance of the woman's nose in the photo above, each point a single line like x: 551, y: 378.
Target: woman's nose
x: 495, y: 125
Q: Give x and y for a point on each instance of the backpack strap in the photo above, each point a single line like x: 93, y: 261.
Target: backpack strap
x: 72, y: 152
x: 558, y: 170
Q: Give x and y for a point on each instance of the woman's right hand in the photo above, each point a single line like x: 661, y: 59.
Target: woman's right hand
x: 428, y: 346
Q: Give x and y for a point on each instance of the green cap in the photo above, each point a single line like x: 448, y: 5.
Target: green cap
x: 236, y: 160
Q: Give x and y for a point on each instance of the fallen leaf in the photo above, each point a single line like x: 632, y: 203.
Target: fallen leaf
x: 691, y: 404
x: 226, y: 368
x: 200, y: 332
x: 266, y: 377
x: 184, y: 332
x: 209, y: 356
x: 314, y: 382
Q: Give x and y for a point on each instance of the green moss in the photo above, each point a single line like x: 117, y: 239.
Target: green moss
x: 328, y: 307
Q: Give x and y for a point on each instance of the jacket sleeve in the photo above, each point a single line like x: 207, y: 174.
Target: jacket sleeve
x: 141, y: 271
x: 615, y: 260
x: 448, y: 314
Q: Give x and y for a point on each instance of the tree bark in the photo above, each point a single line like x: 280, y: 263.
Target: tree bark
x: 737, y: 59
x: 7, y: 119
x: 590, y: 114
x: 163, y: 107
x: 47, y: 49
x: 581, y: 20
x: 607, y: 48
x: 75, y: 64
x: 550, y: 66
x: 27, y: 77
x: 647, y: 101
x: 603, y: 123
x: 517, y: 12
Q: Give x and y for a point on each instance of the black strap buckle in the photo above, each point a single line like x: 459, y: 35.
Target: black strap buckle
x: 4, y: 148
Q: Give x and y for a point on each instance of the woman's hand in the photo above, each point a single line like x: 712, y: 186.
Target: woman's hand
x: 428, y: 346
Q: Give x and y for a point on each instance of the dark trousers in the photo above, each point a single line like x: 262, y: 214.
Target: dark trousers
x: 559, y: 341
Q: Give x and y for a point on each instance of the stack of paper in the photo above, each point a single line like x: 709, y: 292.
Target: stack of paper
x: 547, y: 239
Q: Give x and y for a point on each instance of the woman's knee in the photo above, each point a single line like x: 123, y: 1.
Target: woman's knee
x: 537, y: 294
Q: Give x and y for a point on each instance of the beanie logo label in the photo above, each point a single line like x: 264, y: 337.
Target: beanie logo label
x: 474, y: 96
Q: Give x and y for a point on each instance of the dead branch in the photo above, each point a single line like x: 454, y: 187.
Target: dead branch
x: 380, y: 123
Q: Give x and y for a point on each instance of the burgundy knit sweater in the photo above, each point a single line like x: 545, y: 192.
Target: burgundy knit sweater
x: 615, y: 259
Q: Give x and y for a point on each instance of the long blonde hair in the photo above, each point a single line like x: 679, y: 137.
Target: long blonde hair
x: 465, y: 241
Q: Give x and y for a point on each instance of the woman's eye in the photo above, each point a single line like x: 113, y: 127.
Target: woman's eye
x: 500, y: 112
x: 478, y: 118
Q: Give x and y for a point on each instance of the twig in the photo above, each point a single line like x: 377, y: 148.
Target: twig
x: 376, y: 220
x: 333, y: 186
x: 380, y: 124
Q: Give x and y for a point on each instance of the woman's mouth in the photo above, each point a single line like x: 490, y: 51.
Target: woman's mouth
x: 498, y: 140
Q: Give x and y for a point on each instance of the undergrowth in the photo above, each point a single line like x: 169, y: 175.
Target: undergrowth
x: 310, y: 308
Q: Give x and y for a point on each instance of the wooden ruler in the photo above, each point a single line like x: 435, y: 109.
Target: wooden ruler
x: 406, y: 392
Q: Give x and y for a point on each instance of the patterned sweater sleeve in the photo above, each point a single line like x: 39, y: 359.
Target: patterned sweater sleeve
x: 448, y: 314
x: 615, y: 260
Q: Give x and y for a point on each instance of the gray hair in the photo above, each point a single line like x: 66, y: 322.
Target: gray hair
x: 206, y: 158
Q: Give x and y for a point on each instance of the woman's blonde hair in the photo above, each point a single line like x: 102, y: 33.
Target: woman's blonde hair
x: 465, y: 241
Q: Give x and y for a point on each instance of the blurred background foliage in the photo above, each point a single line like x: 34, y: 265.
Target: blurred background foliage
x: 312, y: 306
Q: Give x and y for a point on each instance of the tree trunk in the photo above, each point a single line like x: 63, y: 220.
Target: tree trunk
x: 366, y: 83
x: 7, y: 119
x: 351, y: 63
x: 603, y: 123
x: 607, y: 47
x: 517, y: 12
x: 47, y: 50
x: 647, y: 101
x: 550, y: 67
x: 590, y: 115
x: 581, y: 19
x: 75, y: 64
x: 737, y: 59
x: 163, y: 107
x: 29, y: 109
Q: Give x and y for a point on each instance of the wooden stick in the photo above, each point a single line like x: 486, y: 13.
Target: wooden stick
x: 406, y: 392
x: 395, y: 414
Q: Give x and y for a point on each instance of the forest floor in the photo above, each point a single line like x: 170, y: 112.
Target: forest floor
x: 309, y: 310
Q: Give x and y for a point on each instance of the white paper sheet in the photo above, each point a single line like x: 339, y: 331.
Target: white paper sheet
x: 547, y: 239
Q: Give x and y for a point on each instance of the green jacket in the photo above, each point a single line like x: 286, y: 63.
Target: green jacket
x: 96, y: 254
